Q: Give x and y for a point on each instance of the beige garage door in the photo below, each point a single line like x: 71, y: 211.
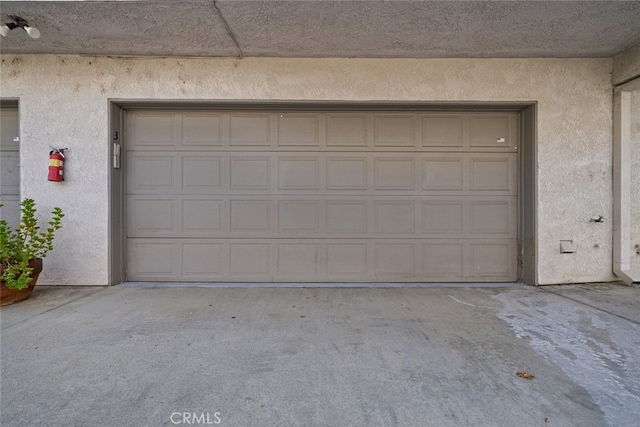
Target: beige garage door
x: 321, y: 197
x: 9, y: 166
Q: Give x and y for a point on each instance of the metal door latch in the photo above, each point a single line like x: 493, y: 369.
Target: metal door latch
x: 116, y: 155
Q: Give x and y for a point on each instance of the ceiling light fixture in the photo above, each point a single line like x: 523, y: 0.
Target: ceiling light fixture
x: 19, y: 22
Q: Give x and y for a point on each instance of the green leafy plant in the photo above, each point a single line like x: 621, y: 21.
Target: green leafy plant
x: 25, y: 243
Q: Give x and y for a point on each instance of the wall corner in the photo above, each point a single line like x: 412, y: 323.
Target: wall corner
x: 626, y: 66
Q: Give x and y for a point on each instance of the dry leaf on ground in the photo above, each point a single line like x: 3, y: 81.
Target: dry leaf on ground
x: 526, y: 375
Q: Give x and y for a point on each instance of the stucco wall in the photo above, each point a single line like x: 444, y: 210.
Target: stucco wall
x: 64, y: 101
x: 635, y: 179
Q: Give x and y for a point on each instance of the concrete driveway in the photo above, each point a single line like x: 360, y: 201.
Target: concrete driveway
x: 149, y: 356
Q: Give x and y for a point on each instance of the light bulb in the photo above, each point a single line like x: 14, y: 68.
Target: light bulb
x: 33, y: 32
x: 4, y: 30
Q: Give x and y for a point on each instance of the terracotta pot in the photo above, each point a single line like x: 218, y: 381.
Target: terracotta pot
x: 9, y: 296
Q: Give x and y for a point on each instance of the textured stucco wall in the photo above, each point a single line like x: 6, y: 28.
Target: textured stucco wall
x: 64, y: 101
x: 626, y: 65
x: 635, y: 179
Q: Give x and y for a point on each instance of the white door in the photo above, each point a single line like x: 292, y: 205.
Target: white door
x: 322, y: 196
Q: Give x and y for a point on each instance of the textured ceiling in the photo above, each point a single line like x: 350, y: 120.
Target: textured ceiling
x: 298, y: 28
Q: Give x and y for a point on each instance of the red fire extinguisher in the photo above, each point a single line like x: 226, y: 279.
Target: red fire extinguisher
x: 56, y: 164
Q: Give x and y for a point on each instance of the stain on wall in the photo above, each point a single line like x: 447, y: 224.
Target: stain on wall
x: 64, y: 101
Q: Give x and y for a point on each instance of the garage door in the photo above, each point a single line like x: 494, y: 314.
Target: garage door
x: 321, y: 196
x: 9, y: 166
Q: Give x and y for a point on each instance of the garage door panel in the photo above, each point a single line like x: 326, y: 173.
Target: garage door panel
x: 202, y: 129
x: 299, y: 130
x: 314, y: 216
x: 298, y: 260
x: 250, y: 260
x: 443, y: 260
x: 153, y: 216
x: 253, y: 130
x: 347, y: 173
x: 447, y: 218
x: 149, y: 217
x: 479, y: 132
x: 347, y: 217
x: 346, y: 261
x: 153, y: 260
x: 332, y: 196
x: 299, y: 216
x: 202, y: 174
x: 202, y: 217
x: 10, y: 172
x: 443, y: 217
x: 157, y: 129
x: 205, y: 261
x: 292, y: 260
x: 299, y: 173
x: 395, y: 131
x: 493, y: 173
x: 394, y: 173
x: 443, y: 131
x: 272, y: 173
x: 443, y: 173
x: 492, y: 260
x: 395, y: 261
x: 493, y: 130
x: 347, y: 130
x: 394, y: 216
x: 9, y: 129
x: 251, y: 216
x: 492, y: 217
x: 250, y: 173
x: 158, y: 173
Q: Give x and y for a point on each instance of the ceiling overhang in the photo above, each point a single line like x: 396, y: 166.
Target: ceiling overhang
x: 299, y: 28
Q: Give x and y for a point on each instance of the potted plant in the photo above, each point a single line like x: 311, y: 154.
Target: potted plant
x: 22, y: 250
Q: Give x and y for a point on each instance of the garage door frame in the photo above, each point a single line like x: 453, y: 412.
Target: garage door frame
x: 527, y: 220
